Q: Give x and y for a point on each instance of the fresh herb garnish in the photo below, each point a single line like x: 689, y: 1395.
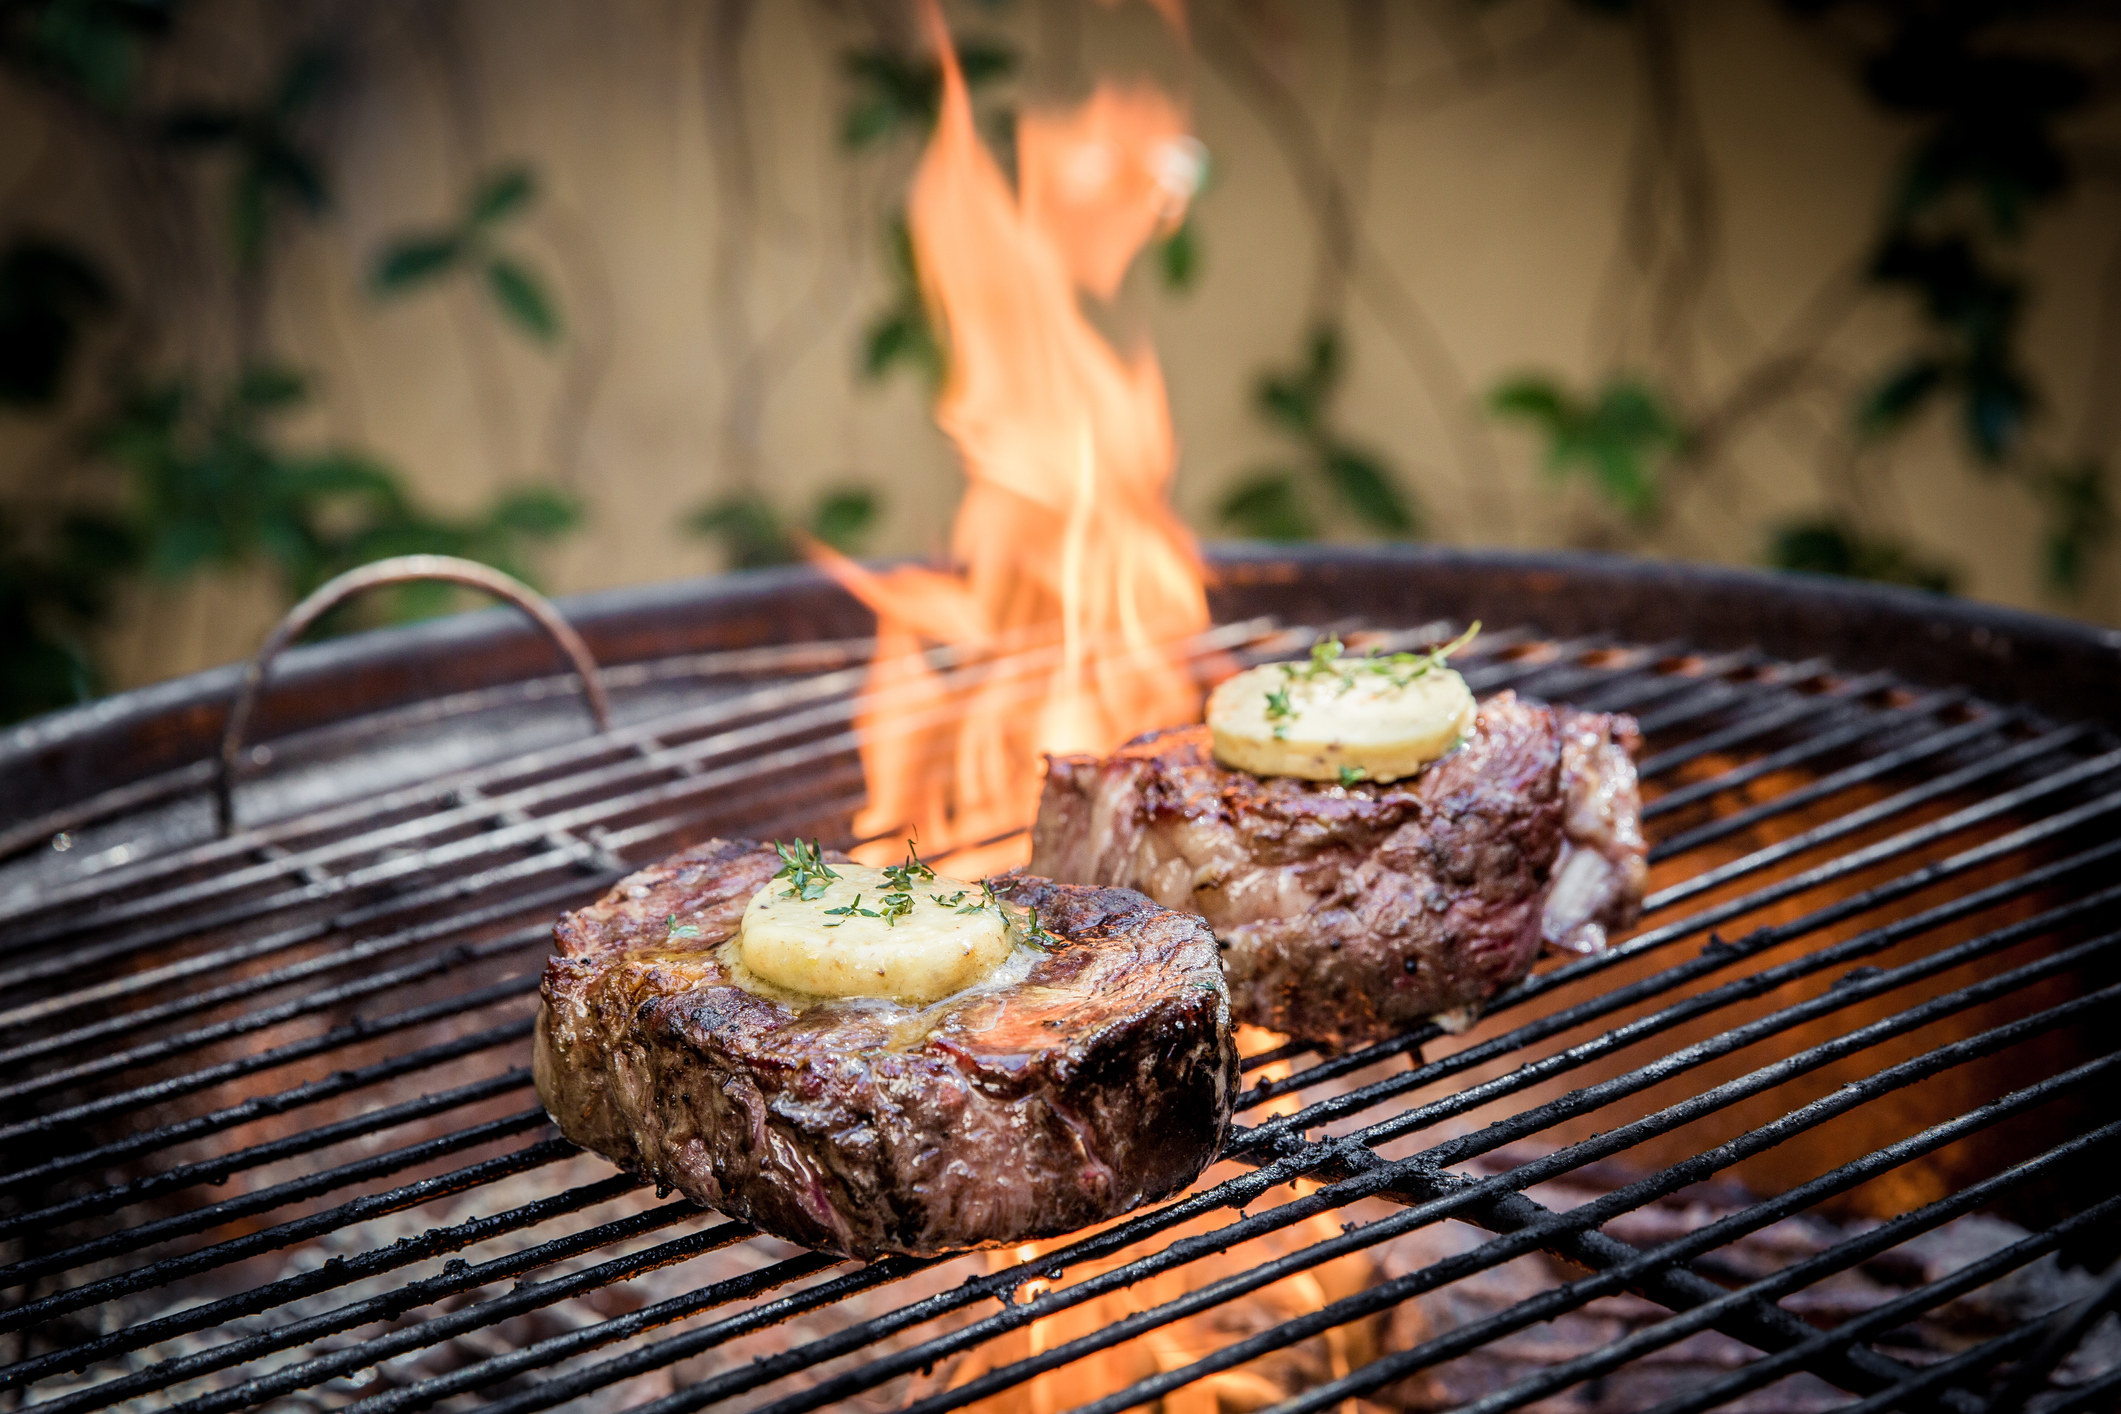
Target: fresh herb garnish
x: 1353, y: 775
x: 953, y: 900
x: 850, y: 911
x: 804, y: 867
x: 904, y: 876
x: 896, y: 906
x: 1325, y: 657
x: 1280, y: 712
x: 1404, y: 668
x: 680, y: 930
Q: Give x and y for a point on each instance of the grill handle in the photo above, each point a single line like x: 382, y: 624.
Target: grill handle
x: 399, y: 569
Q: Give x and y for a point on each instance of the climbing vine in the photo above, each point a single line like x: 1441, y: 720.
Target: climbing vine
x: 169, y: 457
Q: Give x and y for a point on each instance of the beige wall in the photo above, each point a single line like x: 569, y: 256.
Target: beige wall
x: 713, y: 337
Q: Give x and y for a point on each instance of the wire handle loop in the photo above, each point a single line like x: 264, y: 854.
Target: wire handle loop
x: 399, y: 569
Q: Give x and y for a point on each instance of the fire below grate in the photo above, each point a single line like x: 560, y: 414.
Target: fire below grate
x: 1835, y: 1128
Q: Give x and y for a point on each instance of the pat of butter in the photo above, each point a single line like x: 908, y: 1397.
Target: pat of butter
x: 1342, y: 719
x: 865, y: 936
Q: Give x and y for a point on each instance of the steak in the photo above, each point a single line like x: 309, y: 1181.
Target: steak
x: 1349, y: 913
x: 1026, y: 1105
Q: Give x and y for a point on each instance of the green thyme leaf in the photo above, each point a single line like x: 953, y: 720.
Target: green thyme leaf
x: 852, y: 910
x: 904, y: 876
x: 1353, y: 775
x: 1325, y: 657
x: 804, y: 867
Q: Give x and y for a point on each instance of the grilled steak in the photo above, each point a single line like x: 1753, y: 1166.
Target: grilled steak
x: 1027, y: 1105
x: 1348, y: 913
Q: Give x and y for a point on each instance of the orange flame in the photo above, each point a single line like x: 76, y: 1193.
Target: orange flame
x: 1069, y: 555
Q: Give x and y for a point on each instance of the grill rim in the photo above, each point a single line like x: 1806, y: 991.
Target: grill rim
x: 2017, y: 657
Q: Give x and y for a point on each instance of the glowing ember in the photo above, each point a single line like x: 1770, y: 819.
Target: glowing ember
x: 1070, y: 559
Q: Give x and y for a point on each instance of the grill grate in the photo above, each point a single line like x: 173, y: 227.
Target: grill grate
x: 267, y: 1140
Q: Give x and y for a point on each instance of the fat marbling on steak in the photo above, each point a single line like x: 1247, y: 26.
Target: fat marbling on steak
x: 1097, y: 1075
x: 1349, y: 913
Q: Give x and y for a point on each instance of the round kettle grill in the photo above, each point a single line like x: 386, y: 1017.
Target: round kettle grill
x: 1834, y: 1128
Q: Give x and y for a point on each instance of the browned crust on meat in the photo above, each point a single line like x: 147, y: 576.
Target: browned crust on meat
x: 1104, y: 1080
x: 1349, y: 913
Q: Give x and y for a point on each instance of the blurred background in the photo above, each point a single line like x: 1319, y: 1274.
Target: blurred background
x: 616, y: 292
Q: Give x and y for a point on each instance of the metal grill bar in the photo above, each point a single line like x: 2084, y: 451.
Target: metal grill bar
x: 1703, y: 1316
x: 1608, y: 1277
x: 430, y: 1244
x: 648, y: 757
x: 260, y: 1200
x: 235, y: 1249
x: 527, y: 1296
x: 1899, y: 1310
x: 1812, y: 747
x: 1376, y: 1181
x: 1375, y: 1178
x: 344, y: 1082
x: 1542, y: 1230
x: 219, y: 1169
x: 779, y: 660
x: 330, y: 1041
x: 1742, y: 714
x: 461, y: 955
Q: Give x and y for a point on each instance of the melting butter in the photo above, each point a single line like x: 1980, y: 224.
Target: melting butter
x: 1339, y: 719
x: 873, y: 933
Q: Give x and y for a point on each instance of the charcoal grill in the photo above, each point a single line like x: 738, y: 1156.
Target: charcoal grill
x: 268, y: 1137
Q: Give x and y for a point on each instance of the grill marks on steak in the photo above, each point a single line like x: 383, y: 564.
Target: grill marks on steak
x: 1102, y: 1079
x: 1349, y: 913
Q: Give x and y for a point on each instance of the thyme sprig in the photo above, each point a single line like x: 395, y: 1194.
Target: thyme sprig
x: 804, y: 867
x: 904, y: 876
x: 852, y: 910
x: 1327, y: 661
x: 1027, y: 927
x: 1404, y: 668
x: 1279, y: 711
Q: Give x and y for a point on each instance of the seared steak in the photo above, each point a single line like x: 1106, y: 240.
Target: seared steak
x: 1348, y: 913
x: 1027, y: 1105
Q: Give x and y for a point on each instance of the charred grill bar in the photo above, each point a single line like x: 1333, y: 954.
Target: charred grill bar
x: 266, y: 1128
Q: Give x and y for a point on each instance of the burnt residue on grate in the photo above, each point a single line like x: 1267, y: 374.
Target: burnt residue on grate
x: 1834, y: 1128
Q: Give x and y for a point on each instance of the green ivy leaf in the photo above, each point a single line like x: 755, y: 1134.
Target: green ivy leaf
x: 1267, y: 506
x: 1617, y: 439
x: 868, y: 123
x: 522, y: 298
x: 502, y: 194
x: 1827, y: 546
x: 1533, y: 399
x: 896, y: 94
x: 269, y: 386
x: 1178, y: 257
x: 749, y: 528
x: 1366, y: 488
x: 414, y: 261
x: 1899, y: 396
x: 96, y: 46
x: 2079, y: 521
x: 844, y: 517
x: 536, y: 511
